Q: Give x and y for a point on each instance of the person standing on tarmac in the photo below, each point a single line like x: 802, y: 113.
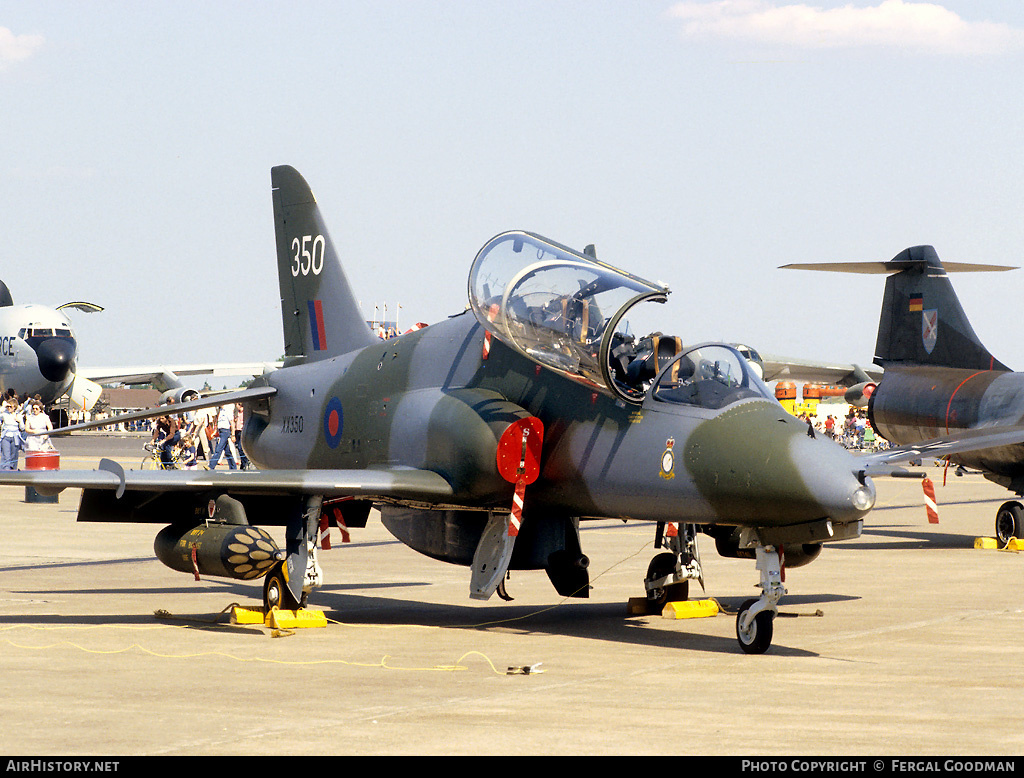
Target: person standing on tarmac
x: 225, y: 423
x: 11, y: 426
x: 37, y: 427
x: 239, y: 421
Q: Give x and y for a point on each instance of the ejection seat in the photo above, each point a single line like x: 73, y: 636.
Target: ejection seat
x: 653, y: 353
x: 666, y: 348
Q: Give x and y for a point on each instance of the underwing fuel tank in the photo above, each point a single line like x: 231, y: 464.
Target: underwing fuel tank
x: 225, y: 550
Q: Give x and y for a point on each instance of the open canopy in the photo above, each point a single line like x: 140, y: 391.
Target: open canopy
x: 552, y: 304
x: 568, y: 312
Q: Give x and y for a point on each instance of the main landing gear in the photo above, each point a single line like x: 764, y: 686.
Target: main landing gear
x: 755, y: 620
x: 669, y: 573
x: 288, y: 584
x: 1009, y: 522
x: 276, y: 593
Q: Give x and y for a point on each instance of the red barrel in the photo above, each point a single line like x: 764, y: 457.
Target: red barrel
x: 41, y: 460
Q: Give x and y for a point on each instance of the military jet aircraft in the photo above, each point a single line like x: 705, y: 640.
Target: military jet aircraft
x: 940, y: 383
x: 486, y: 439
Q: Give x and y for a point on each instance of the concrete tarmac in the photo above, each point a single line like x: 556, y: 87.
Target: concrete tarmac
x: 106, y: 652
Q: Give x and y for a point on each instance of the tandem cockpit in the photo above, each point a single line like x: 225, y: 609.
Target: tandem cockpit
x: 572, y: 313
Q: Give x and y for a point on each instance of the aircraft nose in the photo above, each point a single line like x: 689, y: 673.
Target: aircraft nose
x: 830, y: 475
x: 55, y: 356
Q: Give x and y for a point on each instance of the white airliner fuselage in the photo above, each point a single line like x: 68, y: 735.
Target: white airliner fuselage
x: 37, y: 351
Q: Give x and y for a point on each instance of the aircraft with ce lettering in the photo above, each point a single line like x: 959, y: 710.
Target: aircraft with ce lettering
x: 485, y: 440
x: 38, y: 351
x: 939, y: 382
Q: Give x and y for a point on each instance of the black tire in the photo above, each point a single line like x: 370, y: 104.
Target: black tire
x: 661, y: 566
x: 759, y: 637
x: 276, y: 593
x: 1009, y: 522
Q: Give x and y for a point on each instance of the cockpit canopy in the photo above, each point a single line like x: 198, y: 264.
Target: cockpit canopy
x: 568, y: 310
x: 711, y: 375
x: 552, y: 304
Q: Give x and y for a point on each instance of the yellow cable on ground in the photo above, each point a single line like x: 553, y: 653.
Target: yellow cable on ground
x: 383, y: 664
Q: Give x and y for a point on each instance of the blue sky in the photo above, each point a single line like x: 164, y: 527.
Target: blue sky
x: 702, y: 144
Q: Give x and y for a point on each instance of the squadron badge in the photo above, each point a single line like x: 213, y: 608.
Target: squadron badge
x: 929, y: 321
x: 668, y: 460
x: 929, y: 329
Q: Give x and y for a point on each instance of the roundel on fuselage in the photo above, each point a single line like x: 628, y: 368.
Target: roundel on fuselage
x: 334, y: 422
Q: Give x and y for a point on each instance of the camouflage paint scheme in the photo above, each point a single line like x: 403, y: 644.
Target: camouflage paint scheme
x: 419, y: 426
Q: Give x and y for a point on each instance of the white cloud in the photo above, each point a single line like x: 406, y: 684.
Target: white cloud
x: 891, y: 23
x: 14, y: 48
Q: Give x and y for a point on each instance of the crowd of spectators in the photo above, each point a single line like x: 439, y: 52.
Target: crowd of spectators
x: 24, y: 426
x: 853, y: 430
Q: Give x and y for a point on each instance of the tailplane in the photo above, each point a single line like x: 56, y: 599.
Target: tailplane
x: 320, y: 315
x: 922, y: 321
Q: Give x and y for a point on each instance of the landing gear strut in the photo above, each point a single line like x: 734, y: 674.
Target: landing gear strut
x: 288, y: 584
x: 669, y: 573
x: 754, y: 622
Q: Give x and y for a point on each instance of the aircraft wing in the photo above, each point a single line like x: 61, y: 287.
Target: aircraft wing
x: 393, y: 484
x: 251, y: 395
x: 144, y: 374
x: 845, y: 374
x: 885, y: 462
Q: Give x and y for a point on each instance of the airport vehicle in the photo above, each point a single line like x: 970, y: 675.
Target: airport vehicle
x: 939, y: 382
x: 486, y: 439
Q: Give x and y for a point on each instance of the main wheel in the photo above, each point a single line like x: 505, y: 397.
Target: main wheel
x: 1009, y: 522
x: 661, y: 566
x: 758, y: 636
x: 276, y: 593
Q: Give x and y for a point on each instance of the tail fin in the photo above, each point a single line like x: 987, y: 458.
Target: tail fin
x: 320, y: 315
x: 922, y: 321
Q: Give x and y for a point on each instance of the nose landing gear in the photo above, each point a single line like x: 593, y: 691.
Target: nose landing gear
x: 755, y: 620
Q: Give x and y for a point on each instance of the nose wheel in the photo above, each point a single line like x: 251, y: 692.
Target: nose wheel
x: 755, y: 620
x: 756, y: 636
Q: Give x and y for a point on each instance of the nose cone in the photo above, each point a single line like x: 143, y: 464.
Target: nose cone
x: 757, y: 464
x: 829, y: 475
x: 55, y: 356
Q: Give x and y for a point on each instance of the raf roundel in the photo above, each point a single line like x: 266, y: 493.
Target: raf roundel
x: 333, y: 422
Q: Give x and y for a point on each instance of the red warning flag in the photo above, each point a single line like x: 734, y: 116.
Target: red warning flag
x: 929, y: 501
x: 325, y: 532
x: 516, y: 517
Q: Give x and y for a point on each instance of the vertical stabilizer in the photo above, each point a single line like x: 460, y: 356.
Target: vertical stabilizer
x: 321, y: 317
x: 922, y: 321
